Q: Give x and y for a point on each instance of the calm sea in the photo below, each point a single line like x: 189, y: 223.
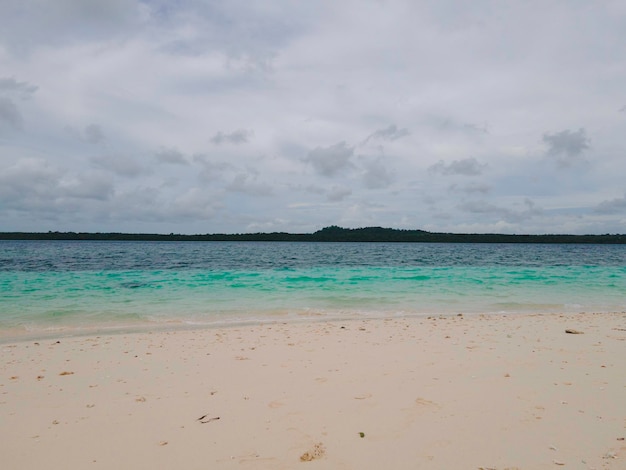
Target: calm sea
x: 75, y: 286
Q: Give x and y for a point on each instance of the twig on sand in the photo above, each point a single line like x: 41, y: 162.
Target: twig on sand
x: 204, y: 421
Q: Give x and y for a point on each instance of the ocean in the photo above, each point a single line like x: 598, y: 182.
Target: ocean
x: 74, y: 287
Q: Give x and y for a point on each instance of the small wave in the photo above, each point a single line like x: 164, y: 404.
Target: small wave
x: 134, y: 285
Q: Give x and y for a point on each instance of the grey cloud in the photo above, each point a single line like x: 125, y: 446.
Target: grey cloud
x: 509, y: 215
x: 239, y: 136
x: 120, y: 165
x: 613, y: 206
x: 10, y: 117
x: 148, y: 204
x: 238, y: 29
x: 450, y: 125
x: 376, y: 175
x: 390, y: 133
x: 314, y: 189
x: 93, y: 134
x: 24, y: 24
x: 195, y: 203
x: 90, y: 186
x: 253, y: 171
x: 334, y: 194
x: 211, y: 170
x: 566, y: 146
x: 28, y: 182
x: 34, y: 186
x: 273, y: 225
x: 466, y: 167
x: 471, y: 188
x: 140, y: 203
x: 330, y: 161
x: 484, y: 129
x: 338, y: 194
x: 10, y: 89
x: 171, y: 155
x: 481, y: 207
x: 244, y: 183
x: 9, y: 85
x: 269, y: 65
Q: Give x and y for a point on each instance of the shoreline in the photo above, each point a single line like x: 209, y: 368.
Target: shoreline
x: 441, y: 391
x: 17, y: 334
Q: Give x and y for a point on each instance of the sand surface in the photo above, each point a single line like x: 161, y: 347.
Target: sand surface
x: 490, y: 392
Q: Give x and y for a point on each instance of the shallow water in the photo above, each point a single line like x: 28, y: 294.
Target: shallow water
x: 74, y: 285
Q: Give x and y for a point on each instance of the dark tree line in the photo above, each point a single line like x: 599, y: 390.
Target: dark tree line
x: 328, y: 234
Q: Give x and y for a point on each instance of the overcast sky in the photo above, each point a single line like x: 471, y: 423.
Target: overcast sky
x: 199, y: 116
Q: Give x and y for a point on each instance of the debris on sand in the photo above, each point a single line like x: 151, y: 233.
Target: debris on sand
x: 204, y: 419
x: 317, y: 453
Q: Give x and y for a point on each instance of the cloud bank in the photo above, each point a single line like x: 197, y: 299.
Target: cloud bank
x: 234, y: 116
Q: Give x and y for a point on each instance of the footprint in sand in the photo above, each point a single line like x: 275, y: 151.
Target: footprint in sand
x: 424, y: 402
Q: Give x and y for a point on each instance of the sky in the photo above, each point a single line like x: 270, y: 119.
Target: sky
x: 202, y: 116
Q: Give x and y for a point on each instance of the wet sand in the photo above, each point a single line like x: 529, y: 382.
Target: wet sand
x: 471, y: 392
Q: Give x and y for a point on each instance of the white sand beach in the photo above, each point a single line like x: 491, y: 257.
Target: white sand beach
x: 457, y: 392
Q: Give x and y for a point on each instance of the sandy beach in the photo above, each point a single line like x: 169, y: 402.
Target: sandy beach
x: 457, y: 392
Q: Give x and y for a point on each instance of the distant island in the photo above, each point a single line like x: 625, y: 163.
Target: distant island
x: 327, y: 234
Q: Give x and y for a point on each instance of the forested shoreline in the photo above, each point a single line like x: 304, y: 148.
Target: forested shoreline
x: 328, y: 234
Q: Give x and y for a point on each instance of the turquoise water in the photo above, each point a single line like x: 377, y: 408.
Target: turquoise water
x: 47, y: 286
